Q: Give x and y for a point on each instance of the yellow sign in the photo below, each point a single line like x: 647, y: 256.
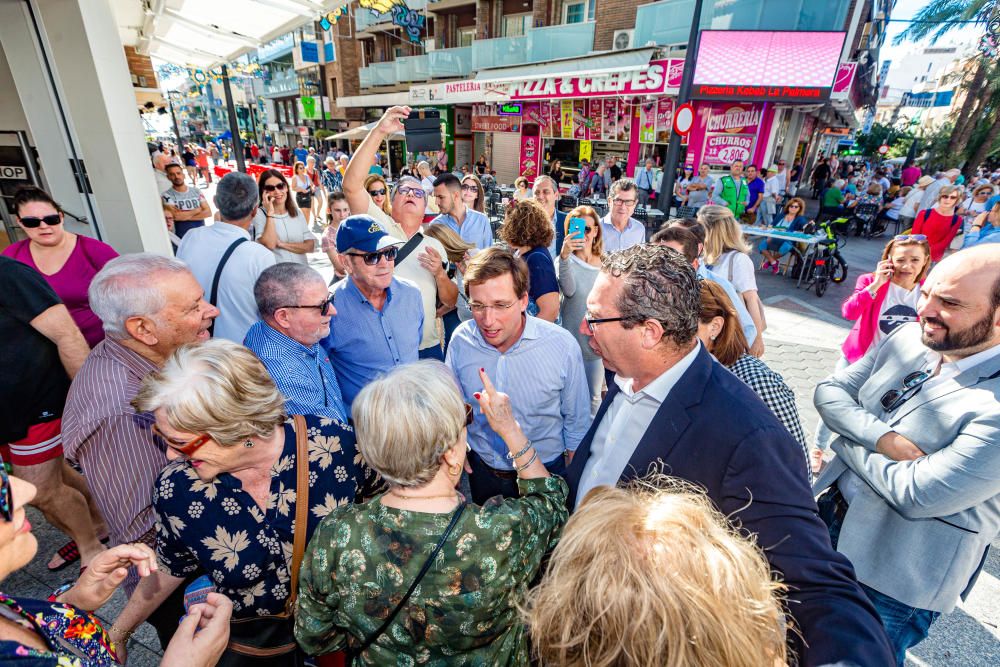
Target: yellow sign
x: 566, y: 109
x: 586, y: 150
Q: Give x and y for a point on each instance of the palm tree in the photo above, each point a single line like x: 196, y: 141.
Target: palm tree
x: 935, y: 20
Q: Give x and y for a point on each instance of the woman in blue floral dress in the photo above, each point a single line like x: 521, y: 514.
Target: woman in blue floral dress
x: 63, y: 631
x: 363, y: 558
x: 226, y: 502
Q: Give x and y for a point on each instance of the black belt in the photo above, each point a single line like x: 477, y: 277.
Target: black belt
x: 499, y: 474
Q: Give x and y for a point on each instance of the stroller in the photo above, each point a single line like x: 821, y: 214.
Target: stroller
x: 866, y: 221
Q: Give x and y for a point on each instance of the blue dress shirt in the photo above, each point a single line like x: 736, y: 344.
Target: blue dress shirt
x: 474, y: 229
x: 543, y: 375
x: 634, y: 234
x: 302, y: 374
x: 365, y: 342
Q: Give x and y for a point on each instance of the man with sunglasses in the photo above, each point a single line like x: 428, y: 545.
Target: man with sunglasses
x: 421, y: 259
x: 471, y: 225
x: 379, y: 319
x: 913, y: 496
x: 295, y: 309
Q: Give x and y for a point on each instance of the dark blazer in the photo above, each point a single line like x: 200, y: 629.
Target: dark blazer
x: 714, y: 431
x: 560, y: 229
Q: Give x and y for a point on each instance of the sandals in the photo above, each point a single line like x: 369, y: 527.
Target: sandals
x: 70, y: 554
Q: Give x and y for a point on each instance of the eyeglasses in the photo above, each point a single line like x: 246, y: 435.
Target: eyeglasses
x: 407, y: 190
x: 912, y: 383
x: 7, y: 495
x: 32, y: 222
x: 186, y: 448
x: 909, y: 237
x: 624, y: 202
x: 377, y: 193
x: 592, y: 321
x: 480, y: 308
x: 277, y: 186
x: 372, y: 258
x: 949, y: 196
x: 471, y: 187
x: 324, y: 307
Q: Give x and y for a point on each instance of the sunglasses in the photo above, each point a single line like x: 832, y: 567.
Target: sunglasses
x: 372, y: 258
x: 278, y: 186
x: 32, y: 222
x: 377, y: 193
x: 912, y: 383
x: 406, y: 190
x: 470, y: 188
x: 909, y: 237
x: 186, y: 448
x: 323, y: 308
x: 7, y: 495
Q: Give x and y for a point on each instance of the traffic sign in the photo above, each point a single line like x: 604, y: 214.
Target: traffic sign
x: 684, y: 118
x: 883, y: 149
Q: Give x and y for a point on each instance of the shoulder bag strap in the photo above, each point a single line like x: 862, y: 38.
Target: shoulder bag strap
x: 301, y: 504
x: 423, y: 570
x: 408, y: 247
x: 214, y: 296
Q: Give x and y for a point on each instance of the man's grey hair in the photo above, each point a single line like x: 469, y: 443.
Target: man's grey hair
x: 126, y: 287
x: 659, y: 284
x: 281, y: 285
x: 544, y: 177
x: 236, y: 196
x: 623, y: 185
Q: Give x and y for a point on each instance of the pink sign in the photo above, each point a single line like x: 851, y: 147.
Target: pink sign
x: 530, y: 155
x: 546, y: 124
x: 845, y: 77
x: 724, y: 149
x: 580, y: 121
x: 664, y: 119
x: 555, y: 111
x: 531, y: 113
x: 647, y: 122
x: 653, y: 80
x: 675, y: 72
x: 727, y: 131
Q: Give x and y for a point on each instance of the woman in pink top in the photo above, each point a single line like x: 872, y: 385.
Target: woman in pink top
x: 67, y: 261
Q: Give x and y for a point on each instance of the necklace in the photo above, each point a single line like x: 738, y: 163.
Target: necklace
x: 404, y: 496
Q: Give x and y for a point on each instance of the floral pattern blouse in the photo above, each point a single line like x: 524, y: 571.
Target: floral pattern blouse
x: 75, y: 638
x: 247, y: 551
x: 363, y: 558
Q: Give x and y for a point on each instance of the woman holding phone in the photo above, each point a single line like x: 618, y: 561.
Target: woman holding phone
x: 579, y: 264
x: 279, y: 224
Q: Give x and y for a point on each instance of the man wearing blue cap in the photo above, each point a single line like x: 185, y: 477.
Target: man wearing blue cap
x: 380, y: 319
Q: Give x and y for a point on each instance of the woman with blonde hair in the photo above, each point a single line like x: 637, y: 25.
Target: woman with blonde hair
x: 646, y: 577
x: 579, y: 264
x: 521, y: 189
x: 242, y: 473
x: 527, y: 229
x: 459, y: 252
x: 473, y: 194
x: 419, y: 571
x: 303, y: 188
x: 376, y: 186
x: 727, y: 254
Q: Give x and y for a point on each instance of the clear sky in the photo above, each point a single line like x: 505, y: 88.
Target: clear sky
x: 905, y: 9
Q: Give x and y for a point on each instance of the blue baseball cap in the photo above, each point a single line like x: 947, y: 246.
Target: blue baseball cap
x: 364, y: 233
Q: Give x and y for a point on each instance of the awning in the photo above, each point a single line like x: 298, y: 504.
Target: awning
x: 374, y: 100
x: 615, y: 61
x: 360, y: 132
x: 206, y: 34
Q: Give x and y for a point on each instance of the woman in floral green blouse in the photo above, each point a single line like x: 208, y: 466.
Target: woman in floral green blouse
x: 411, y: 428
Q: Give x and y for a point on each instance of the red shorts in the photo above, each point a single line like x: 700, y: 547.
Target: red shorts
x: 43, y: 443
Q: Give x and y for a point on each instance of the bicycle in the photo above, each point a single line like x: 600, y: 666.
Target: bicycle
x: 827, y: 264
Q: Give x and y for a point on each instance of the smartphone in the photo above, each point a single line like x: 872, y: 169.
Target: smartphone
x: 423, y: 130
x: 578, y: 227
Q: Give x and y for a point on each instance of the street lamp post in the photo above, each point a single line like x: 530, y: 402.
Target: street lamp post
x: 234, y: 127
x: 173, y: 116
x: 674, y: 149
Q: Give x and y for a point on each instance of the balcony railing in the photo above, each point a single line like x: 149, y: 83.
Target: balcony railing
x: 411, y: 68
x: 282, y: 84
x: 537, y: 45
x: 363, y: 18
x: 383, y: 74
x: 446, y: 63
x: 365, y: 77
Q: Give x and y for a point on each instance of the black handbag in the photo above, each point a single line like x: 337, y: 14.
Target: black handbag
x: 352, y: 654
x: 270, y: 640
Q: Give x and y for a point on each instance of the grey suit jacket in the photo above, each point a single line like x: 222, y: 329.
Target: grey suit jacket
x: 919, y: 530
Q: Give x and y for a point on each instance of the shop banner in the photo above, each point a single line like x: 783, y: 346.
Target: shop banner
x: 624, y: 112
x: 724, y: 149
x: 596, y: 116
x: 485, y: 119
x: 566, y: 111
x: 546, y: 112
x: 664, y: 119
x: 647, y: 122
x: 555, y: 117
x: 728, y: 131
x: 580, y: 121
x: 532, y: 114
x: 530, y: 156
x: 586, y: 150
x: 653, y: 80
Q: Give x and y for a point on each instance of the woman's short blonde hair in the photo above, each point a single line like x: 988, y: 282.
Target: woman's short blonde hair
x: 218, y: 388
x: 454, y: 246
x: 407, y: 419
x: 722, y: 232
x: 646, y: 576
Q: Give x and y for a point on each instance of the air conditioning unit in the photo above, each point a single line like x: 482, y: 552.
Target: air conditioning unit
x: 623, y: 39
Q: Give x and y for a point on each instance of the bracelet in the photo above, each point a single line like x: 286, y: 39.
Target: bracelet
x: 521, y: 453
x: 59, y: 591
x: 533, y: 458
x: 126, y: 634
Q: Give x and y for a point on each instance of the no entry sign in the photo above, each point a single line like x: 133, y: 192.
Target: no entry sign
x: 684, y: 118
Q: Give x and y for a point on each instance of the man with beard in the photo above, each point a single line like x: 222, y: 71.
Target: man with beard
x: 913, y: 497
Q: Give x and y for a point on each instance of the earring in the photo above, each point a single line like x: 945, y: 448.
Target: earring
x: 454, y: 470
x: 713, y: 338
x: 248, y: 444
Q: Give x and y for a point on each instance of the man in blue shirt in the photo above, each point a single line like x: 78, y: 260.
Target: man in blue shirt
x: 300, y: 153
x: 618, y: 228
x: 471, y: 225
x: 644, y: 180
x: 755, y: 184
x: 379, y: 320
x: 295, y: 309
x: 537, y: 363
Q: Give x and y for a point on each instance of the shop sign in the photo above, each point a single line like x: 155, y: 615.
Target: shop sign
x: 724, y: 149
x: 586, y: 150
x: 566, y: 112
x: 486, y: 119
x: 647, y: 122
x: 509, y: 109
x: 664, y: 119
x: 730, y: 132
x: 844, y: 80
x: 530, y: 154
x: 650, y: 81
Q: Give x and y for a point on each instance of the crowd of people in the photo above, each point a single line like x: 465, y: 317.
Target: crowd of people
x: 488, y: 446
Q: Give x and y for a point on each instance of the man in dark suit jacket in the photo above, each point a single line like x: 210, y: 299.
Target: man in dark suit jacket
x: 672, y: 405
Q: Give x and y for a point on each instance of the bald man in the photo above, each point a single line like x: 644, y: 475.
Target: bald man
x: 913, y: 496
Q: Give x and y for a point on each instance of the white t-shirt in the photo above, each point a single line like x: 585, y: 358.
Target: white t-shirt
x: 290, y: 230
x: 899, y: 307
x: 737, y: 267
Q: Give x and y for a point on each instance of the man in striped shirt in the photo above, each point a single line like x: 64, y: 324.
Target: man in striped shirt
x: 150, y: 305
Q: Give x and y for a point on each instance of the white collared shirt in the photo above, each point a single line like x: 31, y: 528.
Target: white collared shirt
x: 625, y: 422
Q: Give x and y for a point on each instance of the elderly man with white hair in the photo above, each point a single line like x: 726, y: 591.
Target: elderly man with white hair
x: 331, y: 178
x: 150, y: 305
